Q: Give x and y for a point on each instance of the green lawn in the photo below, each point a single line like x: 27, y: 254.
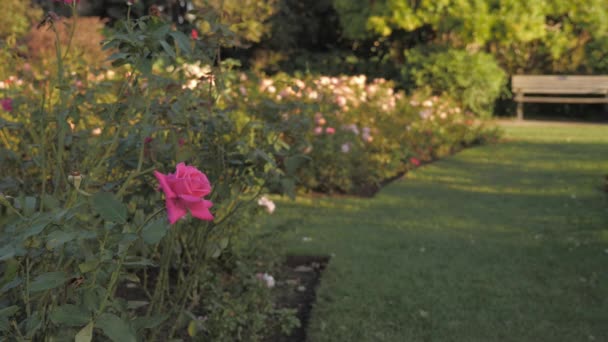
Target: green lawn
x: 499, y: 243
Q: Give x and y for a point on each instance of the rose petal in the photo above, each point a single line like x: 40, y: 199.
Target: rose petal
x: 189, y: 199
x: 164, y: 184
x: 175, y: 209
x: 200, y: 210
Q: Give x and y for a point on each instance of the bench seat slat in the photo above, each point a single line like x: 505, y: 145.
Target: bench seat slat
x: 546, y: 99
x: 560, y: 84
x: 569, y: 90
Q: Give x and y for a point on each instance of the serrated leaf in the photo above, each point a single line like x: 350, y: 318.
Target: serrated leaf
x: 110, y: 208
x: 154, y: 231
x: 70, y: 315
x: 115, y: 328
x: 58, y: 238
x: 47, y: 281
x: 85, y: 334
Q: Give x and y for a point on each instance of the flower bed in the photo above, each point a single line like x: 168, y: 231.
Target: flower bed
x: 354, y: 133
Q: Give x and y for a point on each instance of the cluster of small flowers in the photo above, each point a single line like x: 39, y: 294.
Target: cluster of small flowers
x: 346, y: 92
x: 267, y: 204
x: 435, y: 107
x: 196, y: 72
x: 366, y: 132
x: 320, y: 122
x: 11, y: 81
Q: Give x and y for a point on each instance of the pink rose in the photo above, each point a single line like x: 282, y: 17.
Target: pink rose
x: 318, y: 130
x: 194, y: 34
x: 184, y: 191
x: 415, y: 161
x: 7, y: 104
x: 330, y: 130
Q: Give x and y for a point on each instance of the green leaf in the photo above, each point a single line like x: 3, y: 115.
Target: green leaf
x: 70, y: 315
x: 33, y: 324
x: 154, y: 231
x: 50, y: 201
x: 88, y: 266
x: 183, y: 42
x: 58, y: 238
x: 29, y: 205
x: 115, y: 328
x: 85, y: 334
x: 9, y: 311
x: 7, y: 252
x: 149, y: 322
x: 168, y: 49
x: 11, y: 284
x: 47, y: 281
x: 118, y: 55
x: 110, y: 208
x: 293, y: 163
x: 4, y: 326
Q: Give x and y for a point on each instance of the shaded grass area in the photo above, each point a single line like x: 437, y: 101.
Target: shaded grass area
x: 498, y: 243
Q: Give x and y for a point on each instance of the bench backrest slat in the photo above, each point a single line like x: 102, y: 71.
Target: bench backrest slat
x: 560, y: 84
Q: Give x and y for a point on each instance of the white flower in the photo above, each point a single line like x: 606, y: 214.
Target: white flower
x: 267, y: 279
x: 345, y: 148
x: 267, y: 204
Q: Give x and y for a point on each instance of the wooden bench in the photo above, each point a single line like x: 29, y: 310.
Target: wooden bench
x: 558, y: 85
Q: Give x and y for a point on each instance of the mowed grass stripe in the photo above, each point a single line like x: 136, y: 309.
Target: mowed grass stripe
x: 499, y: 243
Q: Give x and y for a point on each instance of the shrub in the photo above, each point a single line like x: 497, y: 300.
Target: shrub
x: 474, y: 79
x: 85, y: 245
x: 355, y: 133
x: 18, y: 17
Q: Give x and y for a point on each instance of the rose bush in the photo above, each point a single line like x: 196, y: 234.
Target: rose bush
x: 355, y: 133
x: 86, y: 248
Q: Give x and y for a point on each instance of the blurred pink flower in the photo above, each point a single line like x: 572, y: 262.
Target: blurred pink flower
x: 318, y: 130
x: 194, y: 34
x: 345, y: 148
x: 415, y: 161
x: 7, y: 104
x: 330, y: 130
x: 184, y: 191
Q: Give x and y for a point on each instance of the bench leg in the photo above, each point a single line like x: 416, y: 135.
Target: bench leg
x: 520, y: 111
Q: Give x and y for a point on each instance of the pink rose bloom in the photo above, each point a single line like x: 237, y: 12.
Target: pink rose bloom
x: 330, y: 130
x: 184, y: 191
x: 415, y: 161
x: 318, y: 130
x: 7, y: 104
x: 194, y: 34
